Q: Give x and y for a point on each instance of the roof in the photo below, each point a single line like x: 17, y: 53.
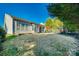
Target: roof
x: 23, y: 20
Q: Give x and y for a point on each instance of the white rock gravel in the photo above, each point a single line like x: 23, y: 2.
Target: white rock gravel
x: 43, y: 44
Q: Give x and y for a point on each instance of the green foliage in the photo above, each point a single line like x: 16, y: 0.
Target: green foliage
x: 2, y: 34
x: 10, y: 36
x: 68, y: 13
x: 54, y: 24
x: 49, y: 22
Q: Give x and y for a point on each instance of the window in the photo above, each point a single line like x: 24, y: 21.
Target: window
x: 33, y: 27
x: 18, y: 25
x: 26, y: 26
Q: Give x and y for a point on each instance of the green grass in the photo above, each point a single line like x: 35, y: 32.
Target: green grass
x: 11, y: 36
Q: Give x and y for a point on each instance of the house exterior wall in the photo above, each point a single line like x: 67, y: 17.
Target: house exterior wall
x: 8, y: 24
x: 13, y: 26
x: 23, y: 28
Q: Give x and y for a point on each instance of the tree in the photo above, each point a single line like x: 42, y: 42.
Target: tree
x: 57, y: 22
x: 68, y: 13
x: 53, y: 24
x: 48, y: 24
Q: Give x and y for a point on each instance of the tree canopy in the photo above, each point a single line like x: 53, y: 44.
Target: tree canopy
x: 68, y: 13
x: 53, y: 24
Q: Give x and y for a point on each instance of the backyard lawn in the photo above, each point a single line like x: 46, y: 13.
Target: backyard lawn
x: 40, y: 45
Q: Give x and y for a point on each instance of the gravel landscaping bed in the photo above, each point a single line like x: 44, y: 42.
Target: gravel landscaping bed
x: 40, y: 45
x: 76, y: 36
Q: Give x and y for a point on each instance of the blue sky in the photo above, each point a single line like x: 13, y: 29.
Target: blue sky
x: 34, y: 12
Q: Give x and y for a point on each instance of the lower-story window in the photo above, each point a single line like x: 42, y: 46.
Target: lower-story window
x: 18, y: 25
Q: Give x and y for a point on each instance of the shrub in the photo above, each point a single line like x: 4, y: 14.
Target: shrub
x: 2, y: 34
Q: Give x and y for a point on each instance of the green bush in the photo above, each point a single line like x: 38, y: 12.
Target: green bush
x: 2, y: 34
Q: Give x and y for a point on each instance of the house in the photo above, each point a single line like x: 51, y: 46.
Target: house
x: 14, y: 25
